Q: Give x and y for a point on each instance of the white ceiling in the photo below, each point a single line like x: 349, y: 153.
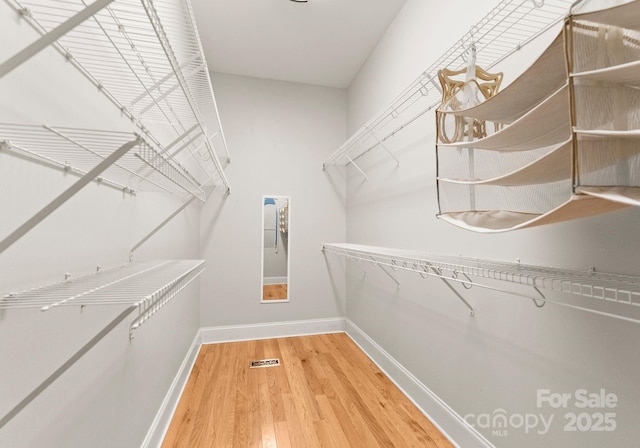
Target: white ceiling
x: 320, y: 42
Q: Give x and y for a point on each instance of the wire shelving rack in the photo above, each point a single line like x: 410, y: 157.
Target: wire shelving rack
x: 508, y: 27
x: 619, y: 289
x: 146, y: 58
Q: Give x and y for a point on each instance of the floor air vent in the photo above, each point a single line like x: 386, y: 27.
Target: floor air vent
x: 265, y: 363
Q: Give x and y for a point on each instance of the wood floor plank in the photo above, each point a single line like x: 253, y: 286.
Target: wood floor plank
x: 384, y: 398
x: 306, y: 360
x: 357, y: 403
x: 282, y: 434
x: 330, y: 425
x: 253, y: 391
x: 325, y: 393
x: 183, y: 417
x: 301, y: 397
x: 348, y: 410
x: 277, y: 381
x: 268, y: 430
x: 241, y: 407
x: 373, y: 394
x: 211, y: 409
x: 222, y: 406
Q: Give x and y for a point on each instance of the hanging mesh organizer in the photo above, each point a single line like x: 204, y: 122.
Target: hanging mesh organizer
x: 552, y: 146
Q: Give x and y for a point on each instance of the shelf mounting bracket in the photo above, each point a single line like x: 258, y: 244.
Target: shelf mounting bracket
x: 356, y: 166
x: 375, y: 263
x: 450, y: 286
x: 381, y: 143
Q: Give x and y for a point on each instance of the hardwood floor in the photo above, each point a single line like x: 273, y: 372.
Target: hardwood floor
x: 274, y: 292
x: 325, y: 393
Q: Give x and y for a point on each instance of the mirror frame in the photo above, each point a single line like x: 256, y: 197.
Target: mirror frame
x: 288, y: 299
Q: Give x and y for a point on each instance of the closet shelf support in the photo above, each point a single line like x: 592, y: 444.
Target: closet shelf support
x: 375, y: 263
x: 381, y: 143
x: 472, y: 312
x: 357, y: 167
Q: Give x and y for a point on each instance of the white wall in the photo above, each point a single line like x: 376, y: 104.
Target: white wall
x: 278, y: 133
x: 498, y: 359
x: 110, y: 397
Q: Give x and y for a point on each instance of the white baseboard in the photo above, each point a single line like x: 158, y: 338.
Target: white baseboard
x: 450, y: 423
x: 161, y: 422
x: 214, y: 335
x: 275, y: 280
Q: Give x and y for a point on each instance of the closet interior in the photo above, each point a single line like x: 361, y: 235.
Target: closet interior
x: 557, y: 143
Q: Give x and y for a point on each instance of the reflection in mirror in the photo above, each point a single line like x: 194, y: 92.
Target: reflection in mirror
x: 275, y: 248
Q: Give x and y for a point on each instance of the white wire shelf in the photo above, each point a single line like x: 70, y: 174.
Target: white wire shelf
x: 146, y: 57
x: 504, y: 30
x: 623, y: 290
x: 79, y: 150
x: 147, y: 285
x: 144, y: 287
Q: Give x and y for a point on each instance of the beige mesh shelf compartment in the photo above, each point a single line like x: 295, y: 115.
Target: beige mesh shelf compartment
x: 606, y: 100
x: 566, y: 145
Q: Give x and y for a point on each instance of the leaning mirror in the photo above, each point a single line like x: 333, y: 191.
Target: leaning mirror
x: 276, y: 216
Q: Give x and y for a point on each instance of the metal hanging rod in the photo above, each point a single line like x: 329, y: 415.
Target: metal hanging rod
x: 603, y: 287
x: 147, y: 59
x: 508, y: 27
